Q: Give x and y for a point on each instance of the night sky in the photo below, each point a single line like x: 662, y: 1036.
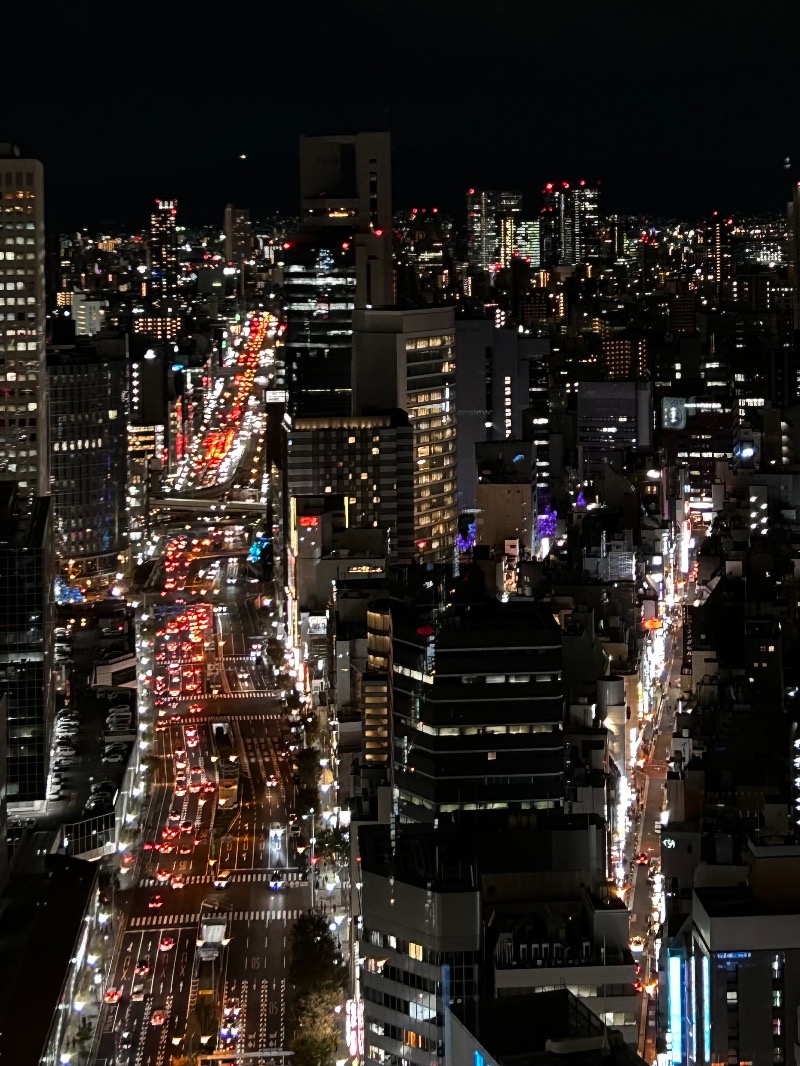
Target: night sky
x: 677, y: 107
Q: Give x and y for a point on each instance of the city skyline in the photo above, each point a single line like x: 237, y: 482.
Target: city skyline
x: 676, y: 117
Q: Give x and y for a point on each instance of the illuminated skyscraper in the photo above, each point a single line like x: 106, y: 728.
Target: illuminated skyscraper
x: 570, y: 223
x: 340, y: 260
x: 528, y: 241
x: 238, y: 234
x: 163, y: 289
x: 793, y: 259
x: 485, y: 209
x: 24, y: 447
x: 406, y: 359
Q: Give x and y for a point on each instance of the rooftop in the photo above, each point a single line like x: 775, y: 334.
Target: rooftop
x: 42, y: 916
x: 548, y: 1027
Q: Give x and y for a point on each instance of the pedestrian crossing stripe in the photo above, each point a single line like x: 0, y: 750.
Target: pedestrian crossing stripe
x: 206, y: 719
x: 240, y: 877
x: 166, y: 921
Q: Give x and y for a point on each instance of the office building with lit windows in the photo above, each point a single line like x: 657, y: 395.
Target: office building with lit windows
x: 407, y: 360
x: 366, y: 463
x: 731, y: 979
x: 340, y: 260
x: 88, y: 436
x: 528, y: 241
x: 23, y: 419
x: 26, y: 655
x: 493, y: 385
x: 490, y: 213
x: 163, y: 285
x: 238, y: 234
x: 478, y: 698
x: 570, y: 223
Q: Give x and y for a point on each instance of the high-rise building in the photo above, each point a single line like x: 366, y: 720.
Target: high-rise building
x: 407, y: 360
x: 26, y: 655
x: 625, y: 357
x: 24, y: 447
x: 238, y: 234
x: 528, y: 241
x: 570, y: 223
x: 88, y: 435
x: 340, y: 260
x: 163, y: 286
x: 580, y: 241
x: 477, y: 697
x: 365, y: 461
x: 793, y: 257
x: 488, y: 212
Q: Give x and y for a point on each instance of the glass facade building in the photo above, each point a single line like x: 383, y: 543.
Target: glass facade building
x: 26, y: 582
x: 23, y: 412
x: 88, y: 431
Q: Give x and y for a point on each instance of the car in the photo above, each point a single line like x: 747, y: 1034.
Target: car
x: 155, y: 902
x: 167, y: 943
x: 180, y: 790
x: 169, y: 832
x: 637, y: 944
x: 187, y: 827
x: 658, y: 826
x: 180, y: 764
x: 222, y: 878
x: 276, y: 882
x: 158, y: 1017
x: 642, y: 859
x: 209, y: 786
x: 164, y: 848
x: 113, y: 757
x: 177, y: 881
x: 179, y: 753
x: 272, y: 782
x: 163, y: 875
x: 185, y: 849
x: 148, y: 845
x: 174, y: 816
x: 143, y: 966
x: 192, y: 742
x: 200, y: 836
x: 194, y: 787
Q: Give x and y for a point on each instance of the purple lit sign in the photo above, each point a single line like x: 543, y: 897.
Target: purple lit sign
x: 547, y: 524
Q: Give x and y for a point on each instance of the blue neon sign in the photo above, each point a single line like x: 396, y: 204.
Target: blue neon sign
x: 675, y: 990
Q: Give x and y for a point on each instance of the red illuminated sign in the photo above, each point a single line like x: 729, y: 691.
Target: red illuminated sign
x: 308, y: 521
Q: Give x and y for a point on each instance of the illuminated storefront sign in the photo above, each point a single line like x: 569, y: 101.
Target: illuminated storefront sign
x: 675, y: 989
x: 354, y: 1027
x: 706, y: 1009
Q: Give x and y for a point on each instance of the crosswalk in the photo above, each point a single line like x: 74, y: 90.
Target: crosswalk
x: 166, y: 921
x: 237, y: 877
x: 207, y: 719
x: 250, y: 694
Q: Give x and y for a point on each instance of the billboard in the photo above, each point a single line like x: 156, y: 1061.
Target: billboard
x: 673, y: 412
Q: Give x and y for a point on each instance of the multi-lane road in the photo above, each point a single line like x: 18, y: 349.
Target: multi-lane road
x: 174, y: 888
x: 206, y: 906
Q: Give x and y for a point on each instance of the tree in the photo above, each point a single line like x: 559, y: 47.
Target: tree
x: 316, y: 965
x: 308, y: 767
x: 313, y: 1046
x: 318, y: 980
